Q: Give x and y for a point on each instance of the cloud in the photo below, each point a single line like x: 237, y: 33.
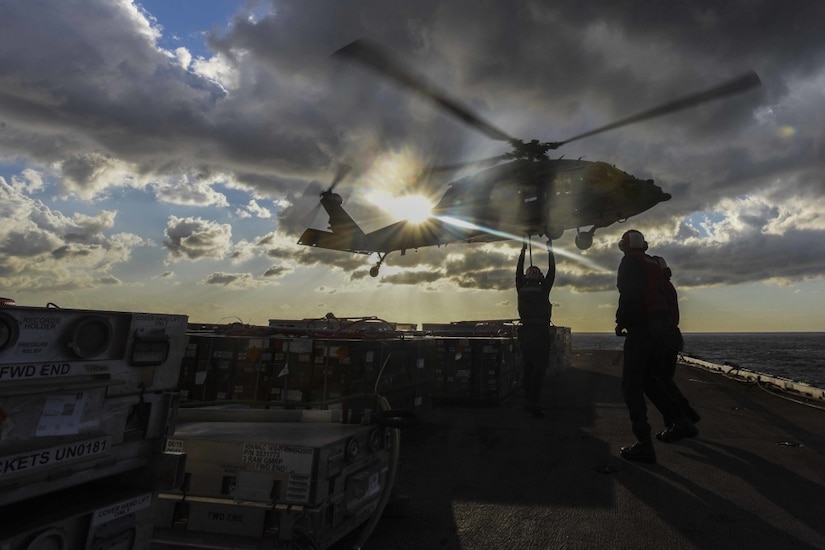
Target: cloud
x: 252, y: 208
x: 41, y: 247
x: 195, y: 238
x: 28, y: 181
x: 91, y: 102
x: 184, y: 191
x: 232, y: 280
x: 276, y: 271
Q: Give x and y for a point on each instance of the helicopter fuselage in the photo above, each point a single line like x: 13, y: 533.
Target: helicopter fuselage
x: 546, y: 197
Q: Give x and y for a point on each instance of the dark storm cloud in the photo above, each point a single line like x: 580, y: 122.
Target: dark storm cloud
x: 276, y: 271
x: 793, y: 256
x: 413, y: 278
x: 92, y: 80
x: 222, y: 279
x: 315, y: 257
x: 69, y: 251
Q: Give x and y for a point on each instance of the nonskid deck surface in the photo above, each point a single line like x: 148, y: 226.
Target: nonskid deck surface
x: 496, y: 478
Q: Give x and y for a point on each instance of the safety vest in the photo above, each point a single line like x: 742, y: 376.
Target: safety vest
x: 533, y: 302
x: 655, y: 300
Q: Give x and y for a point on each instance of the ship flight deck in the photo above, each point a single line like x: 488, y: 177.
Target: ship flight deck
x: 496, y: 478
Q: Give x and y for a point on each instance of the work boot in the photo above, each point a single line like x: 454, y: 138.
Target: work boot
x: 680, y: 429
x: 691, y: 414
x: 639, y: 452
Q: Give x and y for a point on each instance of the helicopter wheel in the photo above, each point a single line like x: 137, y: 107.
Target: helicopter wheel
x: 553, y: 233
x: 374, y: 269
x: 584, y: 240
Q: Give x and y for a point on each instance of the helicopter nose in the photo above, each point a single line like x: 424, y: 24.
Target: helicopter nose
x: 663, y: 196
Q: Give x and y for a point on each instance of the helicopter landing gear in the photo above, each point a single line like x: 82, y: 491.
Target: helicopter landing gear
x: 553, y: 233
x: 374, y: 269
x: 585, y: 240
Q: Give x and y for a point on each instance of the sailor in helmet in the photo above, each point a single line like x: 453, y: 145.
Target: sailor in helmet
x: 642, y: 317
x: 535, y: 310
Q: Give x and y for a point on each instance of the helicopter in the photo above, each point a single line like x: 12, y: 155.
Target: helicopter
x: 519, y: 194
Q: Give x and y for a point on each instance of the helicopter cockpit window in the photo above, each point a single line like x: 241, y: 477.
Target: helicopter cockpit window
x: 567, y: 181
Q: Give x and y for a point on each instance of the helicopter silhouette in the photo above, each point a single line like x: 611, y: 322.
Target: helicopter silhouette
x: 521, y: 193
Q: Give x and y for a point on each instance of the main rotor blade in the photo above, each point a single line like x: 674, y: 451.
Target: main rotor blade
x: 379, y: 60
x: 737, y: 85
x: 490, y: 161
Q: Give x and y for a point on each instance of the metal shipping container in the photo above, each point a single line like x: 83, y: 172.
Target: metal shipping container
x: 83, y: 395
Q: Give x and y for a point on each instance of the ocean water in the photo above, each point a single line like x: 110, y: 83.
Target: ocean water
x: 799, y: 356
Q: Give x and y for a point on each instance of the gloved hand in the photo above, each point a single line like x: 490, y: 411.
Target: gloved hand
x: 621, y: 331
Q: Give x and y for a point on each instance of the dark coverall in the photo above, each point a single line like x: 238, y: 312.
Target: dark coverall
x: 642, y: 313
x: 535, y: 311
x: 673, y: 344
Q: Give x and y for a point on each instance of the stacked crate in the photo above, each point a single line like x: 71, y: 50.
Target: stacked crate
x: 497, y: 370
x: 267, y: 479
x: 560, y: 352
x: 298, y: 371
x: 475, y: 370
x: 469, y: 362
x: 86, y: 399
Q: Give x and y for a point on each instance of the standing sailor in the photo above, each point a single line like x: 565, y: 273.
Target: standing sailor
x: 641, y: 317
x: 535, y: 311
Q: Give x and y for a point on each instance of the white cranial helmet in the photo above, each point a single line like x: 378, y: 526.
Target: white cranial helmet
x: 632, y: 240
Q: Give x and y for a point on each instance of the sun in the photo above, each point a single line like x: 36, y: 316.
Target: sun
x: 412, y: 208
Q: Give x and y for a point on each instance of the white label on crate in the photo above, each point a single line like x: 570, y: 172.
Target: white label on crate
x: 114, y: 511
x: 300, y: 345
x: 23, y: 463
x: 34, y: 371
x: 150, y: 320
x: 373, y: 484
x: 270, y: 457
x: 294, y: 395
x: 40, y: 322
x: 174, y: 445
x: 61, y: 414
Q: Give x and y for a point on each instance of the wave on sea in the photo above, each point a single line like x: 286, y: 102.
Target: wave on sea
x: 798, y: 356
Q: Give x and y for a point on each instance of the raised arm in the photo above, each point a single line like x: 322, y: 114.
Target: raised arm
x: 520, y: 266
x: 550, y: 278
